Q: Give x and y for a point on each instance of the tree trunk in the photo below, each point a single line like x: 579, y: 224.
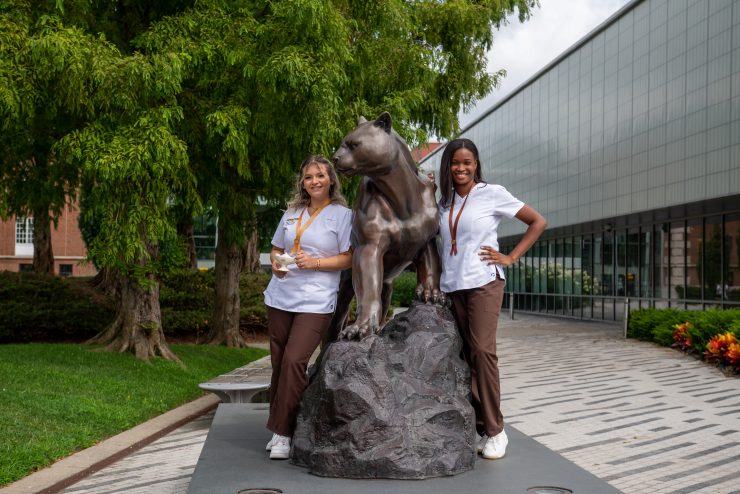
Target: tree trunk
x: 225, y: 327
x: 137, y: 327
x: 43, y: 255
x: 250, y: 252
x: 106, y: 282
x: 186, y: 231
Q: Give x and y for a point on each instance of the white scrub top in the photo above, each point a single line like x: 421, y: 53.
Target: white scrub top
x: 306, y: 290
x: 487, y: 205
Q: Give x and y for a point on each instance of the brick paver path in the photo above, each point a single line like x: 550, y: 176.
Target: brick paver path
x: 648, y: 420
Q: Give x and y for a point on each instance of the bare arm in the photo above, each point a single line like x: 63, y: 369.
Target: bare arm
x: 338, y: 262
x: 536, y: 224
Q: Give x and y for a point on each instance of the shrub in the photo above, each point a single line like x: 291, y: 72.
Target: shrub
x: 186, y: 299
x: 404, y: 289
x: 734, y: 328
x: 712, y: 333
x: 39, y: 307
x: 663, y: 330
x: 185, y: 322
x: 48, y: 308
x: 643, y: 322
x: 188, y: 290
x: 709, y: 323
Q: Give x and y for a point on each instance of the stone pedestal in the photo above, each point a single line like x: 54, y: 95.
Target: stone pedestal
x: 391, y: 406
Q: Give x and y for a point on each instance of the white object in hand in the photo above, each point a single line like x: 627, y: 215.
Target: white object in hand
x: 284, y: 260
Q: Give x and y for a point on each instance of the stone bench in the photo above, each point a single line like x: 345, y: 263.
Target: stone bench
x: 243, y: 384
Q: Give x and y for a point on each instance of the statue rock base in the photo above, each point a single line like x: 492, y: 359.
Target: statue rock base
x: 394, y: 405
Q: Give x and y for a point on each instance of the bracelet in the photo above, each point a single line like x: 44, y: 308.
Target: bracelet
x: 318, y: 265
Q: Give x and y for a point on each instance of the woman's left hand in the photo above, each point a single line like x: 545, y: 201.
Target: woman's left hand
x: 304, y: 261
x: 489, y: 255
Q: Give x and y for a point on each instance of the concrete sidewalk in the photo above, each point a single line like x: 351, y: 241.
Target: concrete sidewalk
x: 647, y: 419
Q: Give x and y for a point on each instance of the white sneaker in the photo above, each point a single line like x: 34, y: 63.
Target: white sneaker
x: 495, y: 447
x: 271, y: 442
x: 280, y: 448
x: 481, y: 443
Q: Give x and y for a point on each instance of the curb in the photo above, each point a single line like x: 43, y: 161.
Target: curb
x: 73, y: 468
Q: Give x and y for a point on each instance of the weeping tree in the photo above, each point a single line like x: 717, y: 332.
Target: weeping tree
x: 271, y: 82
x: 132, y: 166
x: 135, y: 168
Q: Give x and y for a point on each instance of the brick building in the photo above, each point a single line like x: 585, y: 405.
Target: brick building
x: 16, y: 245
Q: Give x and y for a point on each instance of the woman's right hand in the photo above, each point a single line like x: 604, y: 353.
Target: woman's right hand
x: 276, y: 269
x: 276, y: 251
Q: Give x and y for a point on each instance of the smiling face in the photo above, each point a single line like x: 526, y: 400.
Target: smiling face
x: 462, y: 167
x: 317, y: 183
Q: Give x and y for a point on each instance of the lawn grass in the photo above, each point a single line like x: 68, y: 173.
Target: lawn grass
x: 56, y: 399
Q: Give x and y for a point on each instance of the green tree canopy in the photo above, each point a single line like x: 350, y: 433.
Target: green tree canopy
x: 155, y: 103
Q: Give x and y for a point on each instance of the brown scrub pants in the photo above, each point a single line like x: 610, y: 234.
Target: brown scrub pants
x: 293, y: 338
x: 476, y: 312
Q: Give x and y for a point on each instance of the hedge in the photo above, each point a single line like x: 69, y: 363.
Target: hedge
x: 48, y: 308
x: 657, y: 325
x: 35, y: 307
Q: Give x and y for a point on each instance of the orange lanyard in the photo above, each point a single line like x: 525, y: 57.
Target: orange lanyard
x: 453, y: 227
x: 299, y: 231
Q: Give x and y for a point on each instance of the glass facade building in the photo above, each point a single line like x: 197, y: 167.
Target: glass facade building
x: 629, y: 144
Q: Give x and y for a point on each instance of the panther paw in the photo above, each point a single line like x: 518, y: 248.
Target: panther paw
x: 429, y: 295
x: 356, y: 332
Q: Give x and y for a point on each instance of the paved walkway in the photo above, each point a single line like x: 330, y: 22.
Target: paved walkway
x: 648, y: 420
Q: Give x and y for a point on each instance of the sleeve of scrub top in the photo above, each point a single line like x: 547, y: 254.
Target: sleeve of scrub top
x: 344, y: 231
x: 278, y: 239
x: 506, y: 204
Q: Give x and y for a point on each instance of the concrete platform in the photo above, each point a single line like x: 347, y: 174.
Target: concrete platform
x: 234, y: 459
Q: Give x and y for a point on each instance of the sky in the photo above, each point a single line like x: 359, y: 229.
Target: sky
x: 522, y: 49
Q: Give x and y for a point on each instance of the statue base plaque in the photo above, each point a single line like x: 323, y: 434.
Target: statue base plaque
x: 394, y: 405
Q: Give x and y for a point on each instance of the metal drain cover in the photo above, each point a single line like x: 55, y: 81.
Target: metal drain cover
x: 260, y: 490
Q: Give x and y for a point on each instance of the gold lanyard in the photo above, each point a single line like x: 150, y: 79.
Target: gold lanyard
x: 299, y: 231
x: 453, y: 227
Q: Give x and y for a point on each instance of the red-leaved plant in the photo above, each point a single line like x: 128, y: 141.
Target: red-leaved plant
x: 681, y: 336
x: 733, y: 356
x: 724, y: 349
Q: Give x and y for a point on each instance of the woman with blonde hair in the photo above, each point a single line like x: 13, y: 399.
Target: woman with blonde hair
x: 301, y: 296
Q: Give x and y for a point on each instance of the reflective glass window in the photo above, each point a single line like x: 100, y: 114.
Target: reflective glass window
x: 716, y: 248
x: 535, y: 250
x: 660, y: 261
x: 632, y: 261
x: 694, y: 232
x: 677, y: 259
x: 645, y: 275
x: 620, y: 259
x: 568, y: 265
x: 607, y: 260
x: 577, y: 265
x: 732, y: 280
